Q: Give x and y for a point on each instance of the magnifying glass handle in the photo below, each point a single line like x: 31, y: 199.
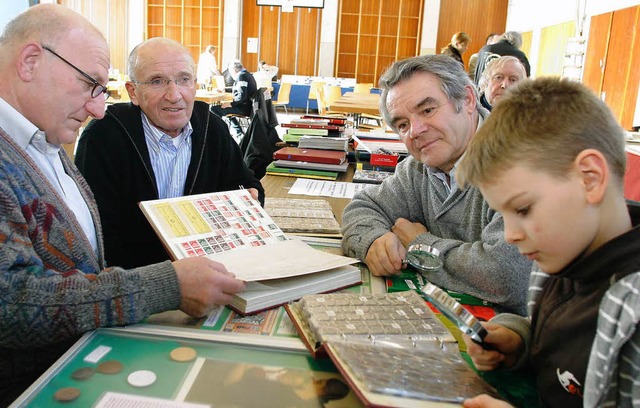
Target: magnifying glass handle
x: 484, y: 345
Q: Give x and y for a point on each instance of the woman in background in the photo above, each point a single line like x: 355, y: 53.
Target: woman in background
x: 458, y: 45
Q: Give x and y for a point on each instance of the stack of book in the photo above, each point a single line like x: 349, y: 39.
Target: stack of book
x: 327, y: 143
x: 313, y: 125
x: 309, y: 163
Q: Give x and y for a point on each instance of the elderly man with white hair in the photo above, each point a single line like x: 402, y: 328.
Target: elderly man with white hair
x: 501, y: 74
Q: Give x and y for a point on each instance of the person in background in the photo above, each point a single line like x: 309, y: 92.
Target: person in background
x: 163, y: 144
x: 432, y: 105
x: 473, y: 59
x: 55, y: 284
x: 458, y: 46
x: 501, y: 74
x: 509, y: 44
x: 551, y: 158
x: 207, y: 66
x: 271, y: 70
x: 244, y: 88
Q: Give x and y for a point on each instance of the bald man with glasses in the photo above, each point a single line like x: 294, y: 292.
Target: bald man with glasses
x: 162, y: 144
x: 54, y: 282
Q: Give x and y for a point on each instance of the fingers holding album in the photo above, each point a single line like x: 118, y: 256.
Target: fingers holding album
x: 482, y: 401
x: 204, y: 284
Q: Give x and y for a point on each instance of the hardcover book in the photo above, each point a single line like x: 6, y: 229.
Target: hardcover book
x: 312, y: 132
x: 274, y: 170
x: 232, y: 228
x: 341, y: 168
x: 370, y: 336
x: 333, y: 120
x: 313, y: 126
x: 310, y: 155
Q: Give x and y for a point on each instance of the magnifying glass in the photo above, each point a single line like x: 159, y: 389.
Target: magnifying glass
x: 424, y: 258
x: 448, y: 306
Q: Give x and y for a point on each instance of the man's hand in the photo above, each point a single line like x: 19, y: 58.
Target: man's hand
x: 407, y: 231
x: 254, y: 193
x: 507, y: 348
x: 385, y: 255
x: 485, y: 401
x: 204, y: 284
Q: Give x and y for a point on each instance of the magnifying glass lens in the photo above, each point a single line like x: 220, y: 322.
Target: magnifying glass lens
x: 424, y: 258
x: 424, y: 261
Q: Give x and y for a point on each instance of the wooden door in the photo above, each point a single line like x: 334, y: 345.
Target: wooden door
x: 478, y: 18
x: 288, y: 40
x: 612, y: 61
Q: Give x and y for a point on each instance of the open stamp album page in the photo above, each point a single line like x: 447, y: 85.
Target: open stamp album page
x: 232, y: 228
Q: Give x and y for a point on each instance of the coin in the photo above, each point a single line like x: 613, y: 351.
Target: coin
x: 183, y: 354
x: 110, y: 367
x: 141, y: 378
x: 66, y: 394
x: 82, y: 373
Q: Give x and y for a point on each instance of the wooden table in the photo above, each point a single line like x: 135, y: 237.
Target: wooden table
x: 213, y: 97
x: 278, y: 187
x: 357, y: 103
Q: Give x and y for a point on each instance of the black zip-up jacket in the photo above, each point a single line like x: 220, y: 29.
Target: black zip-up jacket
x: 113, y: 156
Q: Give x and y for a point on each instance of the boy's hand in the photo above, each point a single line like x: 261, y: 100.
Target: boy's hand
x: 385, y: 255
x: 482, y: 401
x: 507, y: 346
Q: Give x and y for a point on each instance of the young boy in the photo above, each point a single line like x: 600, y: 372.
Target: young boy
x: 551, y: 159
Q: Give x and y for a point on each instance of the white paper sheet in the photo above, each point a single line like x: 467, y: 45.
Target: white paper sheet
x: 337, y: 189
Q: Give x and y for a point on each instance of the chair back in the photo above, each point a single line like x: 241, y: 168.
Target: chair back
x: 332, y: 93
x: 313, y: 87
x: 322, y: 101
x: 363, y: 88
x: 283, y: 94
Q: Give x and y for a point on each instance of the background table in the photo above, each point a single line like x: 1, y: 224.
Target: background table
x: 213, y: 97
x: 352, y: 102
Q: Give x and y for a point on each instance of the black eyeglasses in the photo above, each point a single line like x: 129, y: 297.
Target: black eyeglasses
x: 97, y: 88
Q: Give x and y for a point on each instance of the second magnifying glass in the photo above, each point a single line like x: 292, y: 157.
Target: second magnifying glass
x: 424, y: 258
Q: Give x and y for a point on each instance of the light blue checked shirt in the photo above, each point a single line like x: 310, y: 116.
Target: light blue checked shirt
x: 170, y: 158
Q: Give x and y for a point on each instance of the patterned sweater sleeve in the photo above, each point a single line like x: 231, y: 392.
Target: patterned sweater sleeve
x: 52, y: 285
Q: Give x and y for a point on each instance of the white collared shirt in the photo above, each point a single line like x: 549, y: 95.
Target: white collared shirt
x: 170, y: 158
x: 47, y: 158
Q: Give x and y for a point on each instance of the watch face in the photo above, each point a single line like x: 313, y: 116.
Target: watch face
x: 453, y: 310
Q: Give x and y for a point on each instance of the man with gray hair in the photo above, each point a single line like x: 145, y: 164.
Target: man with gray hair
x: 432, y: 104
x: 509, y: 44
